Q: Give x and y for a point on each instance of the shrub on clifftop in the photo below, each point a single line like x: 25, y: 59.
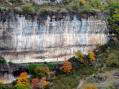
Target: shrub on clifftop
x: 2, y: 60
x: 28, y: 8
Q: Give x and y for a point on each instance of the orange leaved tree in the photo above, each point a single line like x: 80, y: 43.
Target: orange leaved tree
x: 67, y: 67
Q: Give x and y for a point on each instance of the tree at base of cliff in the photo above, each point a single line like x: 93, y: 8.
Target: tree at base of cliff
x: 67, y: 67
x: 79, y: 56
x: 91, y: 56
x: 42, y: 71
x: 23, y: 82
x: 40, y: 83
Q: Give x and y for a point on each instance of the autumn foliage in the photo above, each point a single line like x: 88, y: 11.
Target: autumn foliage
x: 22, y: 81
x: 39, y: 83
x: 43, y: 83
x: 23, y: 78
x: 91, y: 56
x: 35, y: 82
x: 79, y: 56
x: 67, y: 67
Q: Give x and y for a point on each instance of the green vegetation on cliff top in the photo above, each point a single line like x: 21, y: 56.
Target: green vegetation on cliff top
x: 77, y: 6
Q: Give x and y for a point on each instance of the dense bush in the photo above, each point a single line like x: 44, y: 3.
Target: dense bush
x: 42, y: 71
x: 32, y: 67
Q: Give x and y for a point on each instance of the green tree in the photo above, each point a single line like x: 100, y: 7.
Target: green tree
x: 42, y: 71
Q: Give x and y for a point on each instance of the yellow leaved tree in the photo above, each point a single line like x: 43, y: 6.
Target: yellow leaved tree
x: 79, y: 55
x: 22, y: 81
x: 91, y: 56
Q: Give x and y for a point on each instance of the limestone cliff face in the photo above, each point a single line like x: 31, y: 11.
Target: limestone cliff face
x: 51, y: 35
